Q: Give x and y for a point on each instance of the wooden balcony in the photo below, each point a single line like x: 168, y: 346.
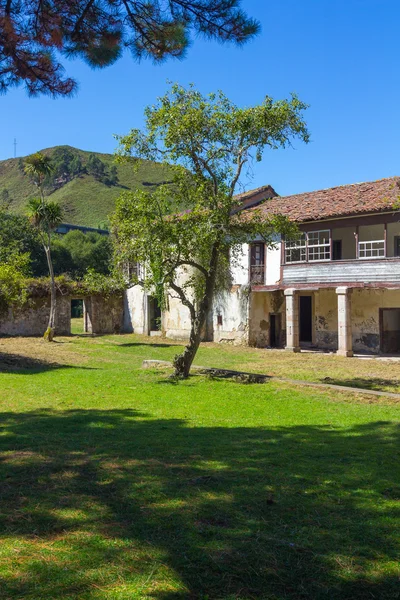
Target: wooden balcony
x: 257, y: 274
x: 365, y: 270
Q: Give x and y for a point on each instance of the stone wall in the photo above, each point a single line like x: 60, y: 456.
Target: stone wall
x: 103, y: 315
x: 262, y: 305
x: 34, y: 319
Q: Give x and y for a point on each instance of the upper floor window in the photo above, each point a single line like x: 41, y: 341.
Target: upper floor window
x: 371, y: 249
x: 257, y: 263
x: 296, y: 250
x: 311, y: 246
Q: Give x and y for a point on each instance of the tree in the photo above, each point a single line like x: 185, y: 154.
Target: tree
x: 33, y: 33
x: 18, y: 237
x: 86, y: 251
x: 46, y: 215
x: 113, y: 175
x: 95, y: 167
x: 208, y: 141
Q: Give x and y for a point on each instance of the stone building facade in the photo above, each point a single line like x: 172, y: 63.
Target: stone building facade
x: 335, y: 288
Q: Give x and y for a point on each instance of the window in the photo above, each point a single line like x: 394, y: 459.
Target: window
x: 311, y: 246
x: 295, y: 250
x: 257, y: 265
x: 374, y: 249
x: 319, y: 246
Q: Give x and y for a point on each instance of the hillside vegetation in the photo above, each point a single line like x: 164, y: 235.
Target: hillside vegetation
x: 87, y: 198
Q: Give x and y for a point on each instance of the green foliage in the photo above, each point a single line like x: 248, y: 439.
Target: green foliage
x: 17, y: 236
x: 13, y: 291
x: 85, y: 251
x: 36, y: 33
x: 95, y: 283
x: 45, y: 215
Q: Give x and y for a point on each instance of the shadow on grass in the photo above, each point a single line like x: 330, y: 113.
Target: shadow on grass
x: 370, y: 383
x: 25, y: 365
x: 100, y: 499
x: 149, y: 345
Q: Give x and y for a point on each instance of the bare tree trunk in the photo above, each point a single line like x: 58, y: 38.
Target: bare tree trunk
x: 183, y: 362
x: 49, y: 333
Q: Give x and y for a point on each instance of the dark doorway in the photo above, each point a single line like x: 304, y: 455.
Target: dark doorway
x: 154, y: 314
x: 274, y: 331
x: 337, y: 250
x: 390, y: 330
x: 305, y: 318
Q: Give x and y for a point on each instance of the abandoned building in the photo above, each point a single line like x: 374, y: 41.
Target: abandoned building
x: 336, y: 287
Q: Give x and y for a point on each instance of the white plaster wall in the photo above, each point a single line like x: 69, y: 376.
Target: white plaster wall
x: 273, y: 263
x: 232, y: 307
x: 135, y: 310
x: 176, y: 320
x: 240, y: 271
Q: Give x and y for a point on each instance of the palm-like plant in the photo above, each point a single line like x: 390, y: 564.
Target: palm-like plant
x: 45, y: 215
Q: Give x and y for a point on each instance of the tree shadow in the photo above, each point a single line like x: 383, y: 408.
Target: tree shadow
x: 94, y: 499
x: 368, y: 383
x: 149, y: 345
x: 26, y: 365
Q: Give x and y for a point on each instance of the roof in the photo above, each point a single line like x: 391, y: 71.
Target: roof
x: 345, y: 200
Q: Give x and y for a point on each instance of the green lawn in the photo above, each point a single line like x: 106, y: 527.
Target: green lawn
x: 117, y: 483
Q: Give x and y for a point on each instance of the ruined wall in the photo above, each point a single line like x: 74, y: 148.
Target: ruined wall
x: 365, y: 306
x: 104, y: 315
x: 135, y: 318
x: 365, y: 316
x: 34, y: 319
x: 262, y: 305
x: 325, y: 319
x: 176, y: 320
x: 230, y: 315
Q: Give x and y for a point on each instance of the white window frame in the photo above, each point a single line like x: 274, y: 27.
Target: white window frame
x: 295, y: 245
x: 304, y: 247
x: 362, y: 248
x: 321, y: 246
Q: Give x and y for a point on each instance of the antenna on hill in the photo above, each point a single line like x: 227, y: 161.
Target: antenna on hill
x: 15, y: 147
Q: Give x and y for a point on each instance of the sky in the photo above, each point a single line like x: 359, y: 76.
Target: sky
x: 342, y: 57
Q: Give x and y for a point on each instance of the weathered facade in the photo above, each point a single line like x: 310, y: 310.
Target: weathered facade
x: 336, y: 287
x: 100, y: 315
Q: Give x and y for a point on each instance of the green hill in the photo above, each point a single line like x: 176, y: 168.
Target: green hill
x: 87, y: 199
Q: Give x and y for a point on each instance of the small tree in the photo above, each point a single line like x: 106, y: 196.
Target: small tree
x: 45, y: 215
x: 208, y: 140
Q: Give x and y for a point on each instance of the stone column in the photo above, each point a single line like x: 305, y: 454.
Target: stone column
x: 292, y: 320
x: 345, y: 337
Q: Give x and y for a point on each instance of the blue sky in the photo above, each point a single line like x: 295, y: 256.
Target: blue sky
x: 340, y: 56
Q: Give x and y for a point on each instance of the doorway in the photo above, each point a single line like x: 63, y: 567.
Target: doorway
x: 154, y: 314
x: 305, y: 314
x: 390, y: 330
x: 77, y: 325
x: 274, y: 330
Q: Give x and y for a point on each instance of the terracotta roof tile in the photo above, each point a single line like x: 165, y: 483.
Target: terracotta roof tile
x: 353, y: 199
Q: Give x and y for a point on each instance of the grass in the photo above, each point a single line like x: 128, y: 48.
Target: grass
x: 119, y: 483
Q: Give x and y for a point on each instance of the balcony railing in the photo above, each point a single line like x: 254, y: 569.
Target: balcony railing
x: 257, y: 274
